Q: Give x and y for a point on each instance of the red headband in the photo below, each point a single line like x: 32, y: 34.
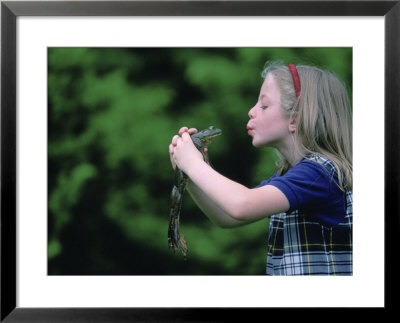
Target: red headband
x: 296, y: 79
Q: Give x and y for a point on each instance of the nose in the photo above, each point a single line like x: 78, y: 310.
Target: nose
x: 252, y: 112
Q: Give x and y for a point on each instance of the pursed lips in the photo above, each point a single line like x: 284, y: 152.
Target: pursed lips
x: 249, y: 129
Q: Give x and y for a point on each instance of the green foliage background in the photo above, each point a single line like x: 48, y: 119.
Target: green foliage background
x: 111, y: 115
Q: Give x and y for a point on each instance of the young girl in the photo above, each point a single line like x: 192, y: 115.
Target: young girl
x: 303, y: 112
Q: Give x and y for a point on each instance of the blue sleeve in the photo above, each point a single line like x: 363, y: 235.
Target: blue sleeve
x: 311, y: 189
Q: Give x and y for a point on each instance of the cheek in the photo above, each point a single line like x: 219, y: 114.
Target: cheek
x: 273, y: 123
x: 268, y: 119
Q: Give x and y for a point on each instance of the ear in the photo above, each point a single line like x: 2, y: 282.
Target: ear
x: 292, y: 123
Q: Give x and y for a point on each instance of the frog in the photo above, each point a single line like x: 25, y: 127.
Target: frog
x: 201, y: 140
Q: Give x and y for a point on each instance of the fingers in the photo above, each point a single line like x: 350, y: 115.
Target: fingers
x: 174, y: 140
x: 183, y: 130
x: 171, y: 156
x: 185, y: 136
x: 191, y: 131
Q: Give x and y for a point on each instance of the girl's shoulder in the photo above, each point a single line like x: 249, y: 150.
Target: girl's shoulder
x: 319, y: 162
x: 310, y: 170
x: 323, y: 166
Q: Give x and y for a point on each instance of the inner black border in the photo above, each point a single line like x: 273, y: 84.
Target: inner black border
x: 10, y: 10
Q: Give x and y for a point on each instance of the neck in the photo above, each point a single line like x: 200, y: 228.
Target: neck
x: 291, y: 151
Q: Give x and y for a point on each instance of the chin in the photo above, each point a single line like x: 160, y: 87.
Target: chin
x: 262, y: 143
x: 255, y: 143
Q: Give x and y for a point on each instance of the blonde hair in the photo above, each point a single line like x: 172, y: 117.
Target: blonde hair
x: 323, y: 116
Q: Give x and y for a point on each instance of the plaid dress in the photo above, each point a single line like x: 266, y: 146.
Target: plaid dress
x: 299, y: 245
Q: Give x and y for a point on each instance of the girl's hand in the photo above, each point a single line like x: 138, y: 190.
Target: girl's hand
x: 182, y: 150
x: 191, y: 131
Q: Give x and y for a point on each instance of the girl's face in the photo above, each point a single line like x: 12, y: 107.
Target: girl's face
x: 268, y: 125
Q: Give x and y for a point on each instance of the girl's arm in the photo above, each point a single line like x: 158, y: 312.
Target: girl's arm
x: 215, y: 213
x: 226, y: 202
x: 235, y: 200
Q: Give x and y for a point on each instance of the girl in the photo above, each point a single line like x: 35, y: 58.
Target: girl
x: 304, y: 113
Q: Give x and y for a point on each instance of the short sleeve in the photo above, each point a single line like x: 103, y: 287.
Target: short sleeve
x: 311, y: 189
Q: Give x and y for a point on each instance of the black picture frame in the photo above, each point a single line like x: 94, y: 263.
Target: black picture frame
x: 10, y: 10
